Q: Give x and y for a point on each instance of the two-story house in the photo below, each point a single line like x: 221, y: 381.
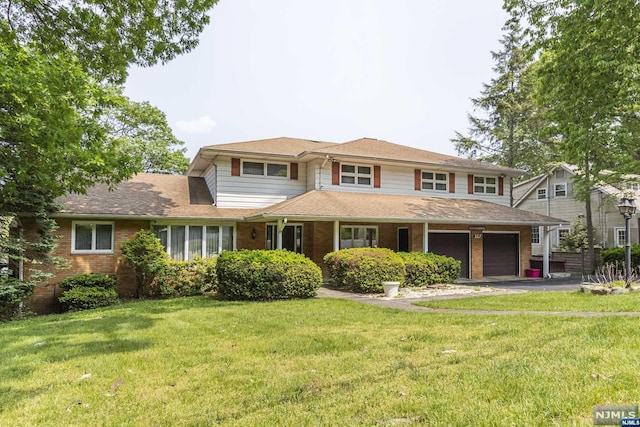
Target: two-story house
x: 552, y: 194
x: 309, y: 197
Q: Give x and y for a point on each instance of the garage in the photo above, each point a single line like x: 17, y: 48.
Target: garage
x: 500, y: 254
x: 455, y: 245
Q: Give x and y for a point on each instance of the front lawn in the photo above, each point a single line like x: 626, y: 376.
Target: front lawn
x: 543, y: 301
x: 198, y: 361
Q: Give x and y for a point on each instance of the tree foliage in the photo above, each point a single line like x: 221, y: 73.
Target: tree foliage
x: 589, y: 82
x: 508, y: 128
x: 64, y: 122
x: 109, y: 36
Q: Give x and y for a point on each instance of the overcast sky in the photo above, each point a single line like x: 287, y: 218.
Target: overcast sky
x: 333, y: 70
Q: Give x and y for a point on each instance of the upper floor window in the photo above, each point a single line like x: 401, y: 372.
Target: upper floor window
x: 632, y: 186
x: 484, y: 184
x: 434, y: 181
x: 560, y: 190
x: 265, y: 169
x: 358, y: 237
x: 186, y: 242
x: 559, y: 173
x: 356, y: 174
x: 535, y: 235
x: 92, y: 237
x: 542, y: 193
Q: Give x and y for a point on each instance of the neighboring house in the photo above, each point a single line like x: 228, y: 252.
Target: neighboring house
x: 552, y: 194
x: 309, y: 197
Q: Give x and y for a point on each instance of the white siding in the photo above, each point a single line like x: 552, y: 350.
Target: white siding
x: 255, y: 192
x: 210, y: 179
x: 400, y: 180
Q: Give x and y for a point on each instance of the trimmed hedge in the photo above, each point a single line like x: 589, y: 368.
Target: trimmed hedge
x: 429, y: 269
x: 616, y: 256
x: 87, y: 291
x: 185, y: 278
x: 364, y: 269
x: 12, y: 293
x: 266, y: 275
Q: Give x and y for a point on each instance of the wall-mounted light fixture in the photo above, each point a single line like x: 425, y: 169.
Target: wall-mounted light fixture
x: 253, y: 234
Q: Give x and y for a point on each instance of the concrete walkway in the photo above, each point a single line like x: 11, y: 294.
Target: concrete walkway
x: 409, y: 304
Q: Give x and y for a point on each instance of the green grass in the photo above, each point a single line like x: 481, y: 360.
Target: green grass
x: 198, y: 361
x: 544, y: 301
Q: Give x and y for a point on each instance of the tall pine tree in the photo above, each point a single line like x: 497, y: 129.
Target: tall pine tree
x: 506, y: 132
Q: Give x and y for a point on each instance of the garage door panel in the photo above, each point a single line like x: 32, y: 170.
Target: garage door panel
x: 501, y: 254
x: 455, y: 245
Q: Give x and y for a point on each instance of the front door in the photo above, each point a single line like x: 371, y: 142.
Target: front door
x: 403, y: 239
x: 291, y: 237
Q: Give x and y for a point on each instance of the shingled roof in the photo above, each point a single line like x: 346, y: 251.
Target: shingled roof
x: 330, y: 205
x: 149, y: 196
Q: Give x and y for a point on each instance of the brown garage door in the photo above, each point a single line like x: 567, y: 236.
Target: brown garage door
x: 455, y: 245
x: 501, y: 254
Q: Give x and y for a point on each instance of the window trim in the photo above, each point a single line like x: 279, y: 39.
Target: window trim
x: 543, y: 190
x: 357, y: 174
x: 484, y: 185
x: 555, y: 190
x: 265, y: 165
x: 93, y: 237
x: 434, y: 181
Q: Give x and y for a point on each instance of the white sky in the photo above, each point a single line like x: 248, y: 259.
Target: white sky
x: 333, y: 70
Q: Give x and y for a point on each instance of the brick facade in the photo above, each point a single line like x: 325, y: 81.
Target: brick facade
x: 317, y: 242
x: 44, y: 299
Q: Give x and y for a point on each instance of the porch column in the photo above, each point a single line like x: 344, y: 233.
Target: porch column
x: 280, y: 227
x: 545, y: 251
x: 425, y: 237
x: 336, y: 235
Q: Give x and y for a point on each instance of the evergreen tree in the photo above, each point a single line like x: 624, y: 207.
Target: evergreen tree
x: 507, y: 131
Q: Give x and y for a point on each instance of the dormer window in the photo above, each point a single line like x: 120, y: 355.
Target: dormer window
x: 356, y: 174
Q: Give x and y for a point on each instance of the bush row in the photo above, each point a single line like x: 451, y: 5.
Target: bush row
x: 615, y: 256
x: 364, y: 269
x: 267, y: 275
x: 87, y: 291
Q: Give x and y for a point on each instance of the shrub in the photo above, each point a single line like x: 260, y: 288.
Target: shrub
x: 364, y: 269
x: 616, y: 256
x: 147, y: 256
x: 428, y: 268
x: 184, y: 278
x: 13, y: 292
x: 267, y: 275
x: 87, y: 291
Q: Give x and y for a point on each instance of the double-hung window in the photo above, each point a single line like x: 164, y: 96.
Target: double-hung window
x: 560, y: 190
x: 535, y: 235
x: 484, y: 184
x: 280, y: 170
x: 92, y: 237
x: 187, y: 242
x: 542, y: 194
x: 356, y: 174
x: 434, y: 181
x: 621, y: 236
